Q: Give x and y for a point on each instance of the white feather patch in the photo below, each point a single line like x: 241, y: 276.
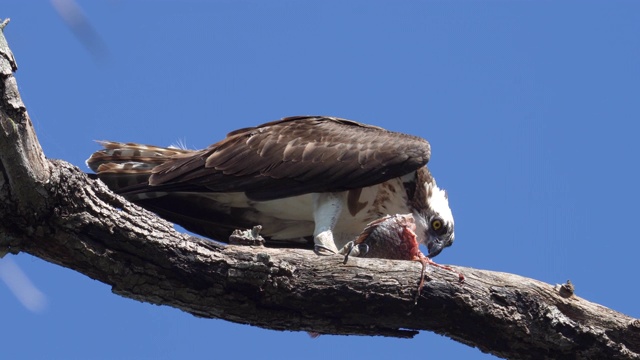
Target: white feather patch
x: 440, y: 204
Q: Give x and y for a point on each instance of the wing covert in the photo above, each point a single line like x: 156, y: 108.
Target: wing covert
x: 296, y: 155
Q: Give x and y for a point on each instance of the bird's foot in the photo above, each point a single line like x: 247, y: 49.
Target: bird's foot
x: 353, y: 249
x: 324, y: 244
x: 322, y: 250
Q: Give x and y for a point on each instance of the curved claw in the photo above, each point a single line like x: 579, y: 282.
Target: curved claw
x: 323, y: 250
x: 354, y: 249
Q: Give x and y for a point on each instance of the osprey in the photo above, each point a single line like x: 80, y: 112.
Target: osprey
x: 309, y: 181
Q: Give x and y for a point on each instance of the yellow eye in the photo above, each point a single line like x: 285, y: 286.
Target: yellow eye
x: 438, y: 226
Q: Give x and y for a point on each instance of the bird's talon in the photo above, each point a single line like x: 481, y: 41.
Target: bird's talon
x: 346, y: 251
x: 347, y: 248
x: 363, y: 249
x: 323, y: 250
x: 352, y: 249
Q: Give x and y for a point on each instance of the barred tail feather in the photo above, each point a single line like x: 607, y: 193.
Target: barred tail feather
x: 135, y: 156
x: 125, y: 166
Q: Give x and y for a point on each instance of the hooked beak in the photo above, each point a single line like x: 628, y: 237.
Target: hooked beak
x: 436, y: 244
x: 434, y: 247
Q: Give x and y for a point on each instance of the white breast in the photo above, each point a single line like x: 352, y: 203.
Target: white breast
x: 292, y: 218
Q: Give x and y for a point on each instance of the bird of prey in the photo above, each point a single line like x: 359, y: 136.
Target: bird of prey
x: 309, y: 181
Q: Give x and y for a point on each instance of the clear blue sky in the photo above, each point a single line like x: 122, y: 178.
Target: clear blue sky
x: 531, y: 107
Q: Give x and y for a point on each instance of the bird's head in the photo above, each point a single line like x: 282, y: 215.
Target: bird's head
x: 434, y: 223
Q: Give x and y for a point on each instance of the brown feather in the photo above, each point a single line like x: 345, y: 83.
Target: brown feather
x: 298, y: 155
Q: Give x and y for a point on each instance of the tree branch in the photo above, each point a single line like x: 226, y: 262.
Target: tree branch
x: 24, y: 164
x: 52, y: 210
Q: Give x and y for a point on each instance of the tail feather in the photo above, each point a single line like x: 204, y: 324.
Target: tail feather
x: 130, y: 167
x: 127, y: 166
x: 131, y: 156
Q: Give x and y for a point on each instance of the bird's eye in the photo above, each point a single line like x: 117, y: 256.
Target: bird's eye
x: 438, y: 226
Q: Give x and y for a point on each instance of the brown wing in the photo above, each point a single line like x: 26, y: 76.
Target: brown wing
x: 293, y: 156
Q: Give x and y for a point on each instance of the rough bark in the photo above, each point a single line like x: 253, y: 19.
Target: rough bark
x: 52, y: 210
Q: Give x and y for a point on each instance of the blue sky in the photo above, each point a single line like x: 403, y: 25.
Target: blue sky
x: 531, y: 108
